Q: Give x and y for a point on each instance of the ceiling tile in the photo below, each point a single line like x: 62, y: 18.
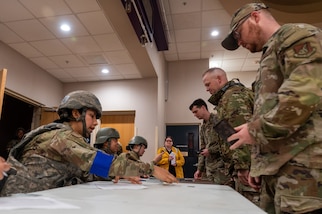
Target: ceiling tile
x: 12, y: 10
x: 211, y: 5
x: 187, y: 6
x: 46, y: 8
x: 118, y: 57
x: 215, y: 18
x: 8, y: 36
x: 81, y: 44
x: 79, y: 72
x: 127, y: 69
x: 191, y: 55
x: 44, y: 62
x: 51, y: 47
x: 206, y: 33
x: 81, y: 6
x: 67, y: 61
x: 26, y: 49
x: 183, y: 21
x: 54, y: 23
x: 188, y: 47
x: 188, y: 35
x: 30, y: 30
x: 109, y: 42
x: 59, y: 73
x: 101, y: 25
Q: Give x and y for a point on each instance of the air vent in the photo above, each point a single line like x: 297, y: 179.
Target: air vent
x: 94, y: 59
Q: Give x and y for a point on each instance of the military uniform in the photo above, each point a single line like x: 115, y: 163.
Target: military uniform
x: 56, y: 156
x: 213, y: 164
x: 287, y: 123
x: 234, y: 102
x: 128, y: 164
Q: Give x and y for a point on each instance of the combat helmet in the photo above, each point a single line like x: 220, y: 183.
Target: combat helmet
x: 137, y: 140
x: 79, y: 100
x: 104, y: 134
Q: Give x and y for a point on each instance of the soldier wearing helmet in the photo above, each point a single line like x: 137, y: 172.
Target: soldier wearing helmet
x: 137, y: 146
x: 58, y: 154
x: 107, y: 140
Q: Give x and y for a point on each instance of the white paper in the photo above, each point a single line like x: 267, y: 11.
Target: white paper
x: 33, y: 201
x: 109, y: 185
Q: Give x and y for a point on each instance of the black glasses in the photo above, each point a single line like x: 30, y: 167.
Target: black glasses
x: 236, y: 34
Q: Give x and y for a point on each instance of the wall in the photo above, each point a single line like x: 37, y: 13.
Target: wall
x: 29, y: 80
x: 185, y: 85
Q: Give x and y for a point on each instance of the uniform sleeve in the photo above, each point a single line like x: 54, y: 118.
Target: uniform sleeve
x: 290, y: 98
x: 125, y: 167
x: 239, y: 110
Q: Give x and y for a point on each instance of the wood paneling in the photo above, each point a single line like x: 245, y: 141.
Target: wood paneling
x: 124, y: 124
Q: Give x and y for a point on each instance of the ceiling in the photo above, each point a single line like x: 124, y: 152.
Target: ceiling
x: 102, y: 36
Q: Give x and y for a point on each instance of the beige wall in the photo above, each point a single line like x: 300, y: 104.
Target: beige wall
x: 29, y: 80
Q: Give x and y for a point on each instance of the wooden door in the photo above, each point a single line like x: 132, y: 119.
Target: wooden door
x: 123, y: 123
x: 48, y: 115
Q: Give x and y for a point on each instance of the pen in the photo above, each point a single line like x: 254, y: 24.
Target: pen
x: 5, y: 174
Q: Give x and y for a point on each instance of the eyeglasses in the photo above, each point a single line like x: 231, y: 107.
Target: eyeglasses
x: 168, y: 140
x: 236, y: 34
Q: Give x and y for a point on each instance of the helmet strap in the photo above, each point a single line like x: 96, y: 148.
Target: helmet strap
x: 82, y: 118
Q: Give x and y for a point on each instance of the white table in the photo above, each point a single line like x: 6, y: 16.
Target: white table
x: 156, y: 198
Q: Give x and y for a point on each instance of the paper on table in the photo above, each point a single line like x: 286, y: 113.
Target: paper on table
x: 109, y: 185
x: 32, y: 201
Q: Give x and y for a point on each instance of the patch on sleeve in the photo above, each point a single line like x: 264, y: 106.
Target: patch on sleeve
x: 303, y: 50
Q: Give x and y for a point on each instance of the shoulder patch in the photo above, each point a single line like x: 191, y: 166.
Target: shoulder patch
x: 303, y: 50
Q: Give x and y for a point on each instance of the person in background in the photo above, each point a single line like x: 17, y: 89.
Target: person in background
x: 172, y: 159
x: 4, y: 167
x: 20, y: 132
x: 234, y: 103
x: 286, y: 128
x: 57, y: 154
x: 107, y: 140
x: 210, y: 160
x: 136, y: 148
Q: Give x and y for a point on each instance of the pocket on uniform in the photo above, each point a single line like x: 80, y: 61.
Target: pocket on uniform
x: 300, y: 204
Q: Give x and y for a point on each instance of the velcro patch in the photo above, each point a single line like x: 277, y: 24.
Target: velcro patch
x: 303, y: 50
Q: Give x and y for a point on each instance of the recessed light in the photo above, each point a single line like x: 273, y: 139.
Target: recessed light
x: 105, y: 71
x: 215, y: 33
x: 65, y: 27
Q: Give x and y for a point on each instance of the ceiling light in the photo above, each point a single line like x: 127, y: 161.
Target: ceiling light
x: 105, y: 71
x: 215, y: 33
x: 65, y: 27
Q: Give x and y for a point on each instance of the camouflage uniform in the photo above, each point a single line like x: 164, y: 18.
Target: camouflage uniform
x: 287, y: 123
x: 213, y: 162
x: 57, y: 156
x: 234, y: 102
x: 132, y: 160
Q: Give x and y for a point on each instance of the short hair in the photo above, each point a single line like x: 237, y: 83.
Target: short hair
x: 215, y: 70
x: 199, y: 103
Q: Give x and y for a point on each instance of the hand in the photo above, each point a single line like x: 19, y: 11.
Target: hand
x: 197, y: 175
x: 164, y: 175
x: 243, y: 175
x: 158, y: 158
x: 255, y: 182
x: 132, y: 179
x: 4, y: 166
x: 204, y: 152
x: 242, y: 135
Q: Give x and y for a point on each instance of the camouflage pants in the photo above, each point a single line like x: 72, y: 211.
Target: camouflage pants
x: 294, y: 189
x: 248, y: 192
